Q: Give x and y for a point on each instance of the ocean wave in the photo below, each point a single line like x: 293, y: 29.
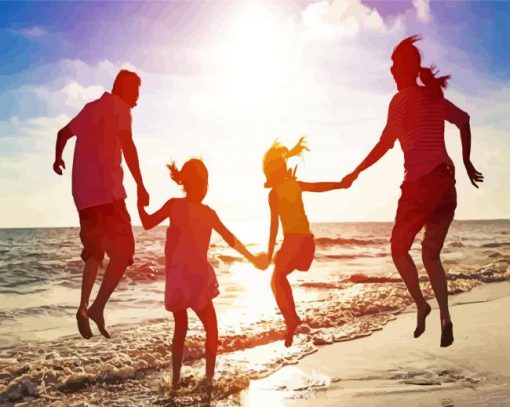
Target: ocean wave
x: 340, y: 241
x: 71, y: 364
x: 320, y: 256
x: 43, y: 310
x: 495, y: 245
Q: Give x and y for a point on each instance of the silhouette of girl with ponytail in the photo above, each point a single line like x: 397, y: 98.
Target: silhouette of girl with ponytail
x: 190, y: 280
x: 416, y: 117
x: 286, y: 204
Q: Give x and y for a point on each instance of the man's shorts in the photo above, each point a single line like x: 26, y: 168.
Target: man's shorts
x: 107, y: 228
x: 296, y: 253
x: 428, y: 202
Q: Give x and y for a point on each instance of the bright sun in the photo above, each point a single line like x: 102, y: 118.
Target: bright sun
x: 256, y: 54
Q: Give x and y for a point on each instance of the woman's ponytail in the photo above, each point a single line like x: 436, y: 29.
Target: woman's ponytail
x: 433, y: 84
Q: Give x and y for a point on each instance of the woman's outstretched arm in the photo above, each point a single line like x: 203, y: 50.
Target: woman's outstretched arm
x: 151, y: 220
x: 391, y: 132
x: 373, y: 156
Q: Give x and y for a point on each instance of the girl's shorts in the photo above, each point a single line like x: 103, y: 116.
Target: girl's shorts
x: 296, y: 253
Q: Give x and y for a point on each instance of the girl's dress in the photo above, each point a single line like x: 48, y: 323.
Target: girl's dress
x: 298, y: 247
x: 190, y: 279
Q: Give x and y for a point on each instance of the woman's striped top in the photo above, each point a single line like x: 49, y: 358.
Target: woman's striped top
x: 417, y: 121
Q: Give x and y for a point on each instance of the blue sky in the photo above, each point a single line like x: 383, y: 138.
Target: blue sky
x: 214, y: 73
x: 36, y: 34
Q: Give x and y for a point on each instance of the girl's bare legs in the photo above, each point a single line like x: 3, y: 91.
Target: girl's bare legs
x: 181, y: 328
x: 208, y: 318
x: 283, y: 294
x: 407, y: 269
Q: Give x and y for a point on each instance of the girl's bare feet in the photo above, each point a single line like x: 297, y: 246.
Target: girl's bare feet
x: 291, y: 329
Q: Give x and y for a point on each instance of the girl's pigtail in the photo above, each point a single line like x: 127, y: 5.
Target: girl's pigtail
x: 175, y: 174
x: 298, y: 149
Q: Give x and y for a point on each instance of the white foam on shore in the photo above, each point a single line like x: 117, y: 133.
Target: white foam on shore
x: 352, y: 310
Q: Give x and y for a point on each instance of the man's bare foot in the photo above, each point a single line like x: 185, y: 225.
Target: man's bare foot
x: 82, y: 317
x: 420, y: 320
x: 97, y: 316
x: 291, y: 329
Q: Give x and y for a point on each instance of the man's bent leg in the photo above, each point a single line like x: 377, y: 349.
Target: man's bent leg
x: 92, y: 238
x: 113, y: 274
x: 120, y: 247
x: 89, y: 277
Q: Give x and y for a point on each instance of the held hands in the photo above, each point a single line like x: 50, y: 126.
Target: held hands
x: 57, y: 164
x: 261, y: 261
x: 349, y: 179
x: 473, y: 174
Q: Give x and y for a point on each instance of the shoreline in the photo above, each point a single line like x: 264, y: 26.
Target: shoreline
x: 341, y: 301
x: 300, y: 378
x: 345, y: 222
x: 392, y: 368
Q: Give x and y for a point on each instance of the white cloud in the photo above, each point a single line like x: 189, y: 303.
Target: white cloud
x: 76, y: 95
x: 32, y: 32
x: 422, y: 10
x: 340, y: 18
x: 335, y: 87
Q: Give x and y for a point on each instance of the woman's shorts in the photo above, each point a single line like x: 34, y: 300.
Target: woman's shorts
x: 428, y: 202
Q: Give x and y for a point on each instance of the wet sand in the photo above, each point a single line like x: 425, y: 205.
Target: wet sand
x: 353, y: 293
x: 391, y: 368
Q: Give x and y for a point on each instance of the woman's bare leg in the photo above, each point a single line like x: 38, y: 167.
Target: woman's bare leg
x: 407, y: 269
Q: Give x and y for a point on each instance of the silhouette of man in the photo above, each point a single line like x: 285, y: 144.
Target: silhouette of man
x: 103, y: 136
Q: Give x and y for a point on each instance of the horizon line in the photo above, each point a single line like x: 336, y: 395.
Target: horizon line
x: 313, y: 223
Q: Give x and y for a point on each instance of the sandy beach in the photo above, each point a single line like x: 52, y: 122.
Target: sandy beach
x: 353, y: 302
x: 390, y: 368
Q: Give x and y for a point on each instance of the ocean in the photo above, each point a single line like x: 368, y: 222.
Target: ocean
x: 351, y: 290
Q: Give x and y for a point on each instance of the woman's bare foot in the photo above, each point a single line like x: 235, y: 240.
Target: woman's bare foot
x: 420, y: 320
x: 82, y: 317
x: 97, y: 316
x: 446, y: 333
x: 291, y: 329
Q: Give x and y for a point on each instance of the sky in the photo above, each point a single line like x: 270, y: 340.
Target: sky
x: 221, y: 80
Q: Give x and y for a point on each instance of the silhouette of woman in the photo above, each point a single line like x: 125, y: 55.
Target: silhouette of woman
x: 416, y: 118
